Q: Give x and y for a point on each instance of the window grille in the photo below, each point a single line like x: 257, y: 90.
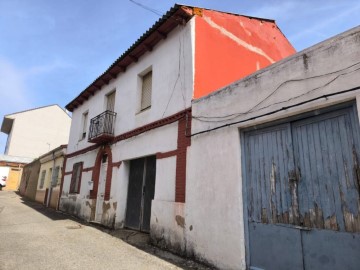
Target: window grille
x: 55, y: 177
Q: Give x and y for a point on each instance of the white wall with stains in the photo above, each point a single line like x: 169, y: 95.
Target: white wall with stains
x: 214, y: 206
x: 172, y: 88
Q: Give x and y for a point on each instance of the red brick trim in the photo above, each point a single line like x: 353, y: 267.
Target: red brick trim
x: 156, y: 124
x: 116, y: 164
x: 165, y: 121
x: 88, y: 169
x: 184, y: 128
x: 172, y: 153
x: 96, y: 173
x: 82, y: 151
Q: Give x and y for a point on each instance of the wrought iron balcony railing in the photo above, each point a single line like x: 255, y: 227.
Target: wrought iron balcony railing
x: 102, y: 127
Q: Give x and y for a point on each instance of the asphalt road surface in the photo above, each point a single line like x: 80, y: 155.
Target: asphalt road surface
x: 34, y: 237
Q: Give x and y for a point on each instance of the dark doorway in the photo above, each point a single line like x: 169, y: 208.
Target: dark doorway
x: 140, y: 193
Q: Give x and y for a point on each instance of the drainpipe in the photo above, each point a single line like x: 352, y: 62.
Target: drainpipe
x: 51, y: 177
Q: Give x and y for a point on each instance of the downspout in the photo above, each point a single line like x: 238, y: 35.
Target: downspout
x: 51, y: 178
x: 62, y: 180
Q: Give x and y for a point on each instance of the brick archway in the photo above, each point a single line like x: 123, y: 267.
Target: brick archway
x: 96, y: 173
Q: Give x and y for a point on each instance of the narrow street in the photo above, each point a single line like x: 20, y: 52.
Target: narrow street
x: 34, y: 237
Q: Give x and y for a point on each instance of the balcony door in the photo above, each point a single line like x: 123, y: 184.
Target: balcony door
x: 110, y: 102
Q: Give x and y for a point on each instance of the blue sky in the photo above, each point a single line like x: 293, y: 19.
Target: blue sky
x: 52, y: 50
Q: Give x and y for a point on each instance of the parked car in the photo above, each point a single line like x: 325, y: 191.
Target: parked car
x: 2, y: 182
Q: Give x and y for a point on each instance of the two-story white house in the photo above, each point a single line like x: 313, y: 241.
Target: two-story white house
x: 127, y: 153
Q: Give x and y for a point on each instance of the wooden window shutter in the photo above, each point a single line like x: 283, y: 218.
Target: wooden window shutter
x: 146, y: 91
x: 110, y: 105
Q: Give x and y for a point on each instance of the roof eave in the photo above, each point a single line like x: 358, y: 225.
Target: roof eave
x: 177, y: 15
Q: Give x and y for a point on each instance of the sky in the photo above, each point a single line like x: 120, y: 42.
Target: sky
x: 50, y: 51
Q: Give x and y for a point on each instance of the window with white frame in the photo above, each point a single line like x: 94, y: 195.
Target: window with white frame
x: 84, y: 125
x: 146, y: 89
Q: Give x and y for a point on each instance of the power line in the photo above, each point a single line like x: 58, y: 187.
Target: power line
x: 157, y: 12
x: 275, y: 111
x: 232, y: 116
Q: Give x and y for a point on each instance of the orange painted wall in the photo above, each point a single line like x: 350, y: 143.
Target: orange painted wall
x: 229, y: 47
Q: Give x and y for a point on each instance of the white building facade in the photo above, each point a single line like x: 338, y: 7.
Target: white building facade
x: 274, y: 158
x: 127, y: 156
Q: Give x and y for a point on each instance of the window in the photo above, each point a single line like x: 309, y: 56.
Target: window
x: 76, y: 178
x: 84, y: 125
x: 55, y: 177
x: 146, y: 89
x: 42, y: 179
x: 110, y: 102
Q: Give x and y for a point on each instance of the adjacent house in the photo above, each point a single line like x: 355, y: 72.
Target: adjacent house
x: 11, y: 169
x: 49, y: 177
x: 34, y: 132
x: 127, y: 156
x: 29, y: 179
x: 273, y: 168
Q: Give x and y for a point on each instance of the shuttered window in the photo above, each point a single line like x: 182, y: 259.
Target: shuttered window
x: 110, y: 104
x: 42, y: 179
x: 55, y: 177
x: 146, y: 90
x: 76, y: 178
x: 84, y: 125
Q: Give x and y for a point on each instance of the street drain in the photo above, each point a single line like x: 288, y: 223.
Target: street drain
x: 74, y: 227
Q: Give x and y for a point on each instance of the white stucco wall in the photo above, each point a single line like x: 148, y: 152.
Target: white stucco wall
x: 35, y: 132
x: 163, y: 139
x: 171, y: 62
x: 214, y: 183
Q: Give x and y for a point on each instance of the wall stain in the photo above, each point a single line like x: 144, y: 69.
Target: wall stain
x: 180, y: 221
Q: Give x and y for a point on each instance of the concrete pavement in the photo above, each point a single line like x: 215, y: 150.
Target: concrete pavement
x: 34, y: 237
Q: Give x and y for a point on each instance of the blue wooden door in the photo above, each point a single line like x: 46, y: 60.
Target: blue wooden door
x: 326, y: 151
x: 302, y: 193
x: 269, y: 165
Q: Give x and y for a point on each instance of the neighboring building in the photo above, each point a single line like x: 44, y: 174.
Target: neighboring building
x: 11, y: 169
x: 273, y: 169
x: 127, y: 152
x: 29, y: 179
x: 49, y: 177
x: 34, y: 132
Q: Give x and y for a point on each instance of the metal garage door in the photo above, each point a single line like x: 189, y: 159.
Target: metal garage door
x: 302, y: 193
x: 141, y: 191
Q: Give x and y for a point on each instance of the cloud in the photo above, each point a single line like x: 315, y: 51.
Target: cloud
x: 14, y: 94
x: 47, y: 68
x: 317, y: 28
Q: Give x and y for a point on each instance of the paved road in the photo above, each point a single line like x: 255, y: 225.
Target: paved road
x: 33, y: 237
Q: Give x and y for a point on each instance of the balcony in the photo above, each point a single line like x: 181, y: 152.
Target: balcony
x: 102, y: 127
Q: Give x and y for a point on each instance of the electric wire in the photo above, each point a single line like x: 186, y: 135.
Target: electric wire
x: 273, y: 112
x: 157, y: 12
x: 232, y: 116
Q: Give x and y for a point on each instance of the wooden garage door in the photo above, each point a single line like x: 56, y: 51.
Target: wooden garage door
x: 302, y: 189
